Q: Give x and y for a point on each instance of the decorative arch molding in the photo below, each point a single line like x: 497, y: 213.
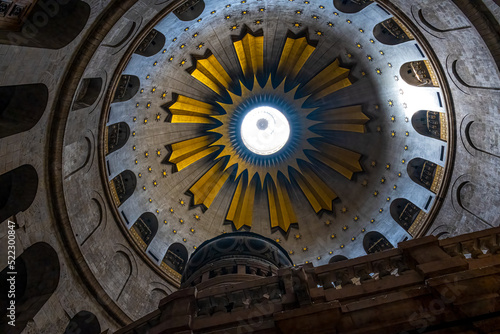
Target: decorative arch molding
x: 430, y: 124
x: 21, y: 107
x: 426, y: 174
x: 480, y: 200
x: 47, y: 25
x: 37, y: 278
x: 144, y: 229
x: 419, y: 73
x: 351, y: 6
x: 116, y: 137
x: 83, y: 322
x: 409, y: 216
x: 392, y: 32
x: 374, y: 242
x: 18, y: 189
x: 89, y: 91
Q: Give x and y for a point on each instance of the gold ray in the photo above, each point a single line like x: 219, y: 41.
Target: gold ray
x: 210, y: 72
x: 319, y: 195
x: 208, y: 186
x: 281, y: 212
x: 293, y: 56
x: 250, y: 52
x: 188, y: 110
x: 189, y: 151
x: 331, y: 79
x: 351, y: 119
x: 241, y: 209
x: 344, y: 161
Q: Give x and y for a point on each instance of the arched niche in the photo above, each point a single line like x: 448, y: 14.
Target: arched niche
x: 88, y: 92
x: 189, y: 10
x: 392, y: 32
x: 144, y: 229
x: 128, y: 86
x: 351, y: 6
x: 176, y: 257
x: 375, y: 242
x: 46, y: 24
x: 123, y: 186
x: 18, y: 189
x: 21, y: 107
x: 337, y: 258
x: 481, y: 200
x: 483, y: 136
x: 117, y: 136
x: 83, y: 322
x: 407, y: 215
x: 37, y: 278
x: 431, y: 124
x: 151, y: 44
x: 426, y: 173
x: 419, y: 73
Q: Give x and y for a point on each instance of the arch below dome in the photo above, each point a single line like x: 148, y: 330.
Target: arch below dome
x: 431, y: 124
x: 36, y: 280
x: 425, y: 173
x: 151, y: 44
x: 47, y: 25
x: 18, y: 189
x: 337, y: 258
x: 176, y: 257
x: 117, y: 136
x: 419, y: 73
x: 351, y: 6
x: 375, y: 242
x: 190, y: 10
x: 128, y: 86
x: 391, y: 32
x: 21, y: 107
x: 407, y: 215
x: 144, y: 229
x: 123, y: 186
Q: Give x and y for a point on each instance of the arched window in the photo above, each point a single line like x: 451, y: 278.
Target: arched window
x: 36, y: 279
x: 144, y: 229
x: 118, y: 135
x: 176, y: 257
x: 419, y: 73
x: 88, y: 92
x: 128, y: 86
x: 425, y: 173
x: 123, y: 186
x: 351, y: 6
x: 21, y: 107
x: 46, y: 24
x: 83, y: 322
x: 189, y: 10
x: 18, y: 189
x: 391, y: 32
x: 337, y: 258
x: 431, y: 124
x: 375, y: 242
x: 151, y: 44
x: 406, y: 214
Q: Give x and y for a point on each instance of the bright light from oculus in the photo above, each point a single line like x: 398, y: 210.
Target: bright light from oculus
x: 265, y: 130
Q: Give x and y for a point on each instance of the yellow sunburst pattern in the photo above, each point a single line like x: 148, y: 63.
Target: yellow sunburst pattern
x: 282, y: 173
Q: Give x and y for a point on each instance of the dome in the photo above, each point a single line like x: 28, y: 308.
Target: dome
x: 125, y: 145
